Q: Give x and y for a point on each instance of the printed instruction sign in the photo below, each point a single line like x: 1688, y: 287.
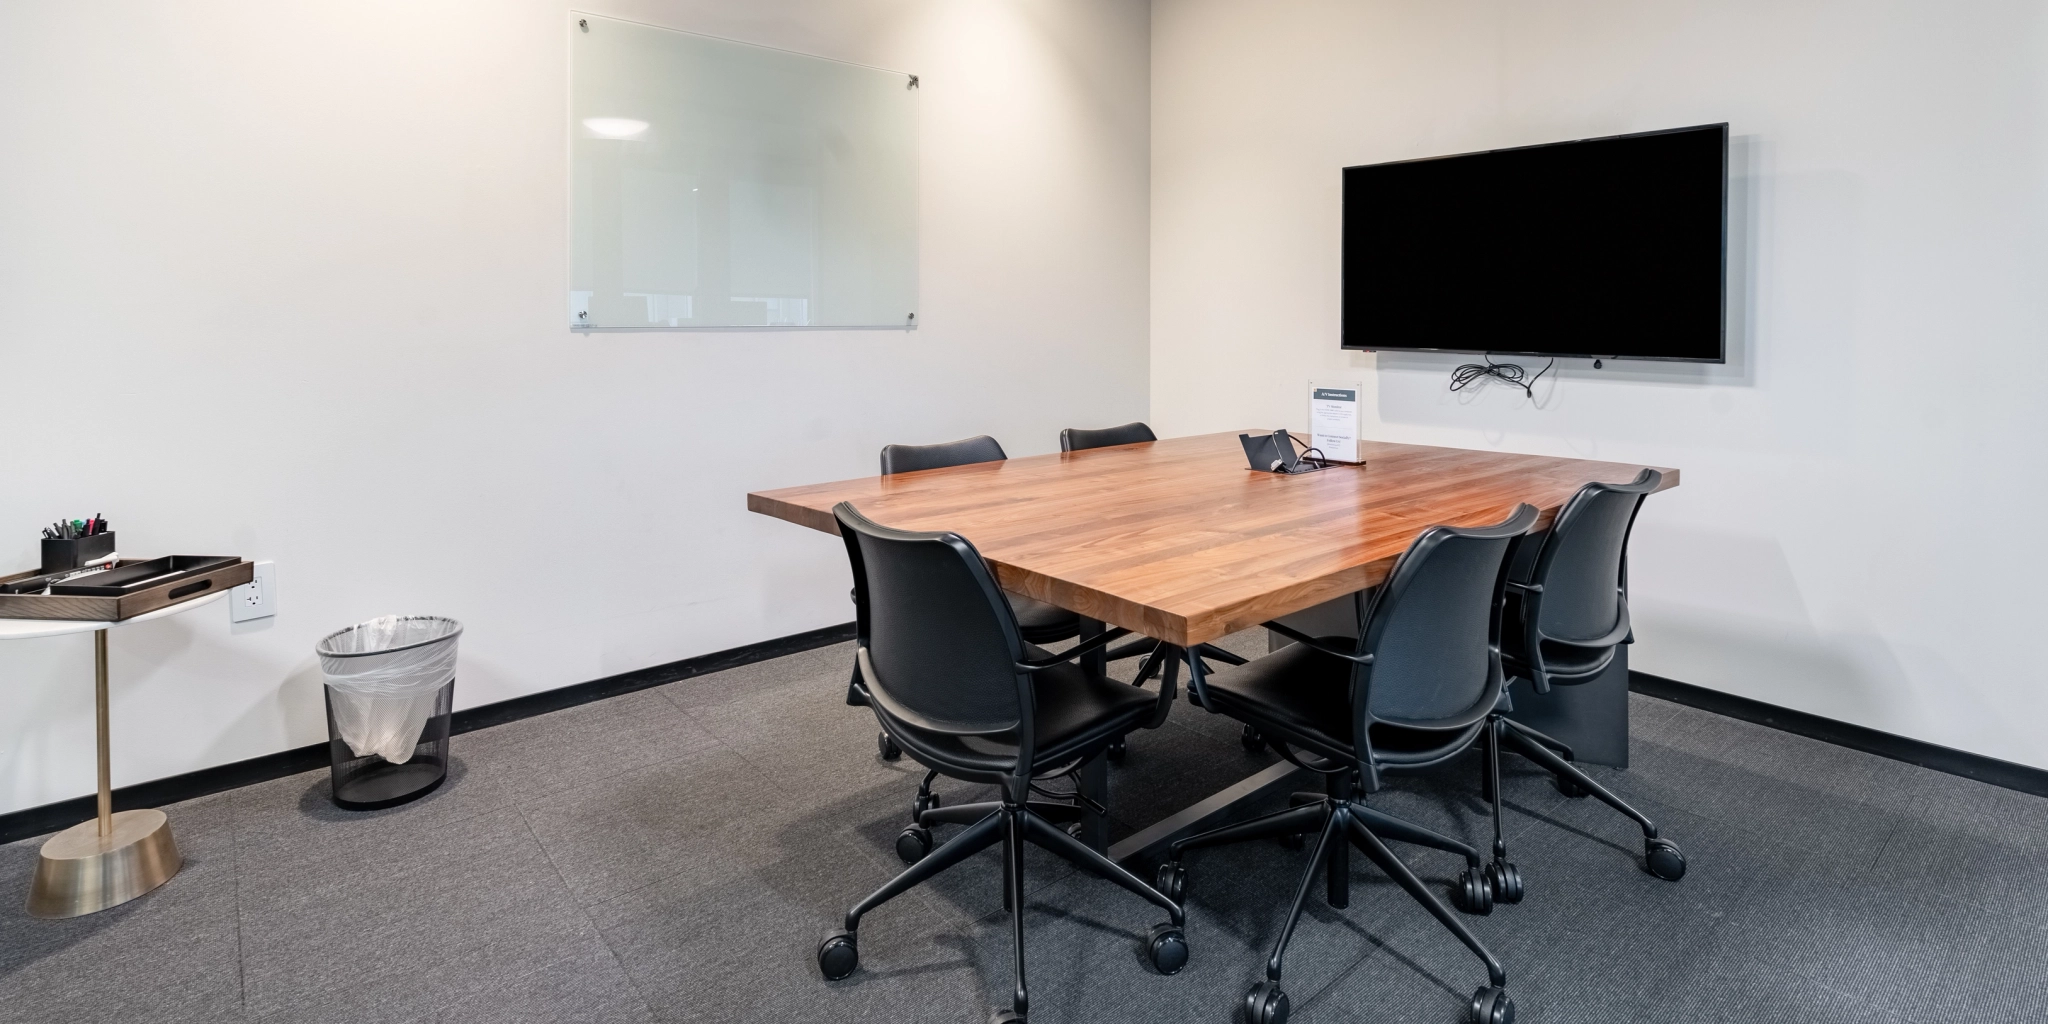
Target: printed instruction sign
x: 1333, y: 419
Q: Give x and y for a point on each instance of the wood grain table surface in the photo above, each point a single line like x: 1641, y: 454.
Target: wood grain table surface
x: 1177, y: 540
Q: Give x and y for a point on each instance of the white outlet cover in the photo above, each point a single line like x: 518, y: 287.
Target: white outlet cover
x: 256, y: 599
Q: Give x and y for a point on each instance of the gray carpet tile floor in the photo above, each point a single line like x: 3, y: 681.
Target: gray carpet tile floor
x: 675, y: 854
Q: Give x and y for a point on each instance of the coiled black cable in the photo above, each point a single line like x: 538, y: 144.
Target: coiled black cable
x: 1507, y: 373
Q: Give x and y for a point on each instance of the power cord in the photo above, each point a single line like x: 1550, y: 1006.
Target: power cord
x: 1507, y: 373
x: 1320, y: 461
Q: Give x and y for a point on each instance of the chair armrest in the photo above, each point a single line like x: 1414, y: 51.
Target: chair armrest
x: 1526, y: 588
x: 1198, y: 686
x: 1169, y: 691
x: 1316, y: 643
x: 1089, y: 646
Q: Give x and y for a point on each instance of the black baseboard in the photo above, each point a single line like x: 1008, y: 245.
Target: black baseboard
x: 35, y: 821
x: 1991, y: 770
x: 487, y: 715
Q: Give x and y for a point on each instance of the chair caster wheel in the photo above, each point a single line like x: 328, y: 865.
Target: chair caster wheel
x: 838, y: 955
x: 887, y: 747
x: 1006, y: 1017
x: 1662, y: 858
x: 1505, y: 881
x: 1572, y: 789
x: 1251, y: 739
x: 1292, y: 841
x: 1115, y: 752
x: 1172, y: 881
x: 1491, y: 1005
x: 921, y: 803
x: 1168, y: 948
x: 1265, y: 1004
x: 913, y: 843
x: 1472, y: 893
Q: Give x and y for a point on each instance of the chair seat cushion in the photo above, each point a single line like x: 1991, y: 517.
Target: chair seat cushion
x: 1075, y: 710
x: 1042, y: 623
x: 1301, y: 691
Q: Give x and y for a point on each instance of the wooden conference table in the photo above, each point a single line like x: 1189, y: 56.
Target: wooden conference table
x: 1177, y: 540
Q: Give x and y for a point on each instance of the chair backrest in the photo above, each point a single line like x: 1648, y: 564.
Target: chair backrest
x: 940, y: 641
x: 1580, y: 562
x: 1074, y: 439
x: 908, y: 458
x: 1434, y: 629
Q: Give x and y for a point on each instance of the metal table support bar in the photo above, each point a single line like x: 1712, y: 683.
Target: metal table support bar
x: 102, y: 732
x: 1218, y: 808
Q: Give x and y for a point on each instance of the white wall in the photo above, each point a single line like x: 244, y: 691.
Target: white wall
x: 1857, y: 533
x: 286, y: 281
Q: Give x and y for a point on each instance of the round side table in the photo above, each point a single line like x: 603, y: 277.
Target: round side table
x: 112, y: 858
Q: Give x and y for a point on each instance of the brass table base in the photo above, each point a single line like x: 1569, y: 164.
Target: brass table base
x: 82, y: 872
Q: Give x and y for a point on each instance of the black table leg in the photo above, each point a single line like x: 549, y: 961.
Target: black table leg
x: 1094, y: 776
x: 1093, y: 781
x: 1096, y: 661
x: 1591, y: 718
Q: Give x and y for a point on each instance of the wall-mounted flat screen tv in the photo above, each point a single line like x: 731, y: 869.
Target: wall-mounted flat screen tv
x: 1608, y: 248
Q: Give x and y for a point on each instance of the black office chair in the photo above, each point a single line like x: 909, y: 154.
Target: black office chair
x: 1041, y: 623
x: 909, y: 458
x: 1074, y: 439
x: 951, y: 677
x: 1567, y: 613
x: 1416, y: 689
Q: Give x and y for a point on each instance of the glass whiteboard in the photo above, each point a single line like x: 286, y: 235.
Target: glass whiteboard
x: 718, y: 184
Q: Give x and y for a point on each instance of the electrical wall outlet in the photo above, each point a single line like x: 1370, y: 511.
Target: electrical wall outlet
x: 256, y: 599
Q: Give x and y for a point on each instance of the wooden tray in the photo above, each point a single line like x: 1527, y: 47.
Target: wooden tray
x: 114, y: 609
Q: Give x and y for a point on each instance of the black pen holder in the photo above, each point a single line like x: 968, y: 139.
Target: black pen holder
x: 70, y: 554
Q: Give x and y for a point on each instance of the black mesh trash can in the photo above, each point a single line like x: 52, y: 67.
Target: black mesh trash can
x: 369, y: 782
x: 390, y: 693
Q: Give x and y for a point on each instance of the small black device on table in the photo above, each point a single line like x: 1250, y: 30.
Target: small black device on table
x: 1274, y: 453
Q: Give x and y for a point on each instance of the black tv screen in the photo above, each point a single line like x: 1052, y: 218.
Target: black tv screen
x: 1609, y: 248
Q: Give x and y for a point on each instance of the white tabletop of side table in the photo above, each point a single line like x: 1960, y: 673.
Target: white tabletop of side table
x: 24, y: 629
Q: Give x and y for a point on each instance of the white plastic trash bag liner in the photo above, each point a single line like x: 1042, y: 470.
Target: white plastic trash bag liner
x: 382, y: 678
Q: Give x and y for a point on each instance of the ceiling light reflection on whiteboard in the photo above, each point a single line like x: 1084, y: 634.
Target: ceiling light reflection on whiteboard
x: 615, y: 127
